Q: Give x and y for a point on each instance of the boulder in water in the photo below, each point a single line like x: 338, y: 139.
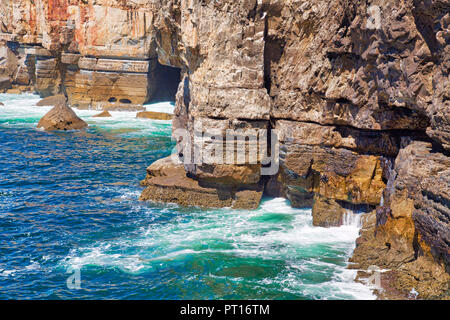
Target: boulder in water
x: 1, y: 104
x: 52, y: 101
x: 14, y: 91
x: 61, y: 117
x: 104, y: 114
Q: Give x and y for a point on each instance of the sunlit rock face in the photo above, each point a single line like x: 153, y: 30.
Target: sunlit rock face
x: 343, y: 83
x: 100, y: 53
x: 117, y: 59
x: 351, y: 89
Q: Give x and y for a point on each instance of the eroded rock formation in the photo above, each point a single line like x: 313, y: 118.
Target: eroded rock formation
x: 343, y: 83
x: 357, y: 93
x: 100, y: 54
x: 154, y: 115
x: 61, y: 117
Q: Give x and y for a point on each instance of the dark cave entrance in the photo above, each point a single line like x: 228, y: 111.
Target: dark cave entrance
x: 166, y: 81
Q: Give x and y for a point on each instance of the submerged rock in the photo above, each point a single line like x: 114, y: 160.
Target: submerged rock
x: 1, y: 104
x: 154, y: 115
x: 52, y: 100
x: 61, y: 117
x: 104, y: 114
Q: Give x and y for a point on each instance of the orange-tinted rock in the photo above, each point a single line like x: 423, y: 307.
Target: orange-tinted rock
x: 104, y: 114
x: 320, y: 160
x: 93, y: 89
x: 14, y: 91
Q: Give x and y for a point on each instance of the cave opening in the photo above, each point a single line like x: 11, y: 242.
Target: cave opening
x: 166, y: 80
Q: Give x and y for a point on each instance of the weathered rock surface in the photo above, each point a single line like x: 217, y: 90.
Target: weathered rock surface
x: 94, y: 51
x: 5, y: 83
x: 15, y: 67
x: 52, y: 101
x: 411, y: 235
x: 319, y: 160
x: 104, y: 114
x: 61, y: 117
x: 154, y: 115
x: 109, y: 80
x: 343, y: 81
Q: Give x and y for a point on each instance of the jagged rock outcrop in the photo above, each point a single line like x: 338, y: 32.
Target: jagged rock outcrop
x: 412, y: 232
x: 104, y: 114
x: 14, y: 68
x: 61, y: 117
x: 323, y: 162
x: 342, y: 81
x: 98, y: 53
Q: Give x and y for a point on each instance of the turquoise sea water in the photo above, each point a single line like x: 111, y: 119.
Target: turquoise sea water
x: 69, y: 201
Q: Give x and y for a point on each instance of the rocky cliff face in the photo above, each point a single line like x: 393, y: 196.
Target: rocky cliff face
x: 356, y: 93
x: 101, y: 54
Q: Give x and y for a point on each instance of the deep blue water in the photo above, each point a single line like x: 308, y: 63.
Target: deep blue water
x: 69, y: 201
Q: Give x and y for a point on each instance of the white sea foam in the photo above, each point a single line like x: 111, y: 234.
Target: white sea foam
x: 32, y: 267
x: 21, y: 107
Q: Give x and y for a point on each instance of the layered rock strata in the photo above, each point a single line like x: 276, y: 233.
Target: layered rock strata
x: 412, y: 232
x: 355, y: 93
x: 99, y: 83
x: 167, y: 181
x: 101, y: 55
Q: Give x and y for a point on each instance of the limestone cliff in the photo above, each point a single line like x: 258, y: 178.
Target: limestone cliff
x: 357, y: 93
